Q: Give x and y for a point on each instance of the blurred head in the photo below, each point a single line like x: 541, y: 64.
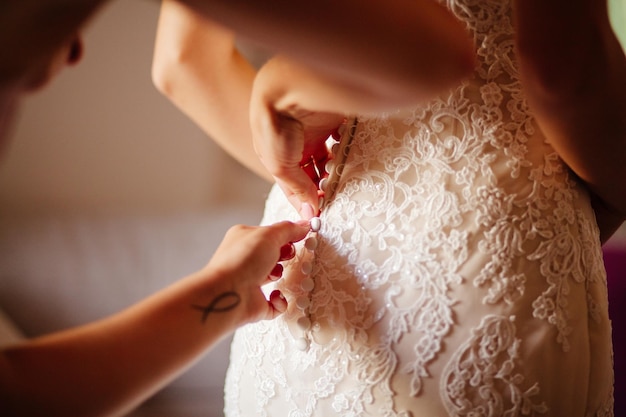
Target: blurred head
x: 40, y: 74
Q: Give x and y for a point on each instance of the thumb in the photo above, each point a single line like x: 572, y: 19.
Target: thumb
x: 301, y: 192
x: 288, y: 232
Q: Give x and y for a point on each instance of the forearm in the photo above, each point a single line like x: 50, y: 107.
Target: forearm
x: 197, y: 66
x: 109, y: 367
x: 574, y: 73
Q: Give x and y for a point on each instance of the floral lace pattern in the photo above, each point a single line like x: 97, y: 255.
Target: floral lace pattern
x: 458, y: 272
x: 485, y: 366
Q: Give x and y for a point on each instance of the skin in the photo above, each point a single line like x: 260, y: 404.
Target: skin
x: 110, y: 366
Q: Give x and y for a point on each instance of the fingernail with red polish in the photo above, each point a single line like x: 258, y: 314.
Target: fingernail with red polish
x: 277, y: 272
x: 287, y: 252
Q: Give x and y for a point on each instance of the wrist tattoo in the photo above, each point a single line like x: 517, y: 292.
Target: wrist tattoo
x: 220, y: 304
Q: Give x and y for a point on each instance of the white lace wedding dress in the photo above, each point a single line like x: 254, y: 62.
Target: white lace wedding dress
x: 459, y: 270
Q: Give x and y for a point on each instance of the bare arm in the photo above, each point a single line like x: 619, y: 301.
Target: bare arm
x: 197, y: 66
x: 574, y: 71
x: 109, y: 367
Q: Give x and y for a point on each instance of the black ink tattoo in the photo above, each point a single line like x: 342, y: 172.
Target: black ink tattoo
x: 222, y: 303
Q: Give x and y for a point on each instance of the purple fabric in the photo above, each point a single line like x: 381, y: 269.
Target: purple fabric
x: 615, y: 262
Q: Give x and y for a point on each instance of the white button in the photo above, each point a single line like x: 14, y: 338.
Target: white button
x: 330, y: 165
x: 311, y: 243
x: 303, y: 302
x: 307, y: 284
x: 304, y: 323
x: 316, y: 224
x: 323, y: 184
x: 302, y: 344
x: 306, y: 268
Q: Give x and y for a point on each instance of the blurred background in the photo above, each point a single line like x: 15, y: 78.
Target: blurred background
x: 618, y: 17
x: 108, y: 193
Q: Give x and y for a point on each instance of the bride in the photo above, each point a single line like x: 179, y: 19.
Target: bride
x: 457, y: 267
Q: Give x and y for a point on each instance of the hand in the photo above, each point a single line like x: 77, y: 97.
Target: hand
x: 288, y: 140
x: 248, y: 258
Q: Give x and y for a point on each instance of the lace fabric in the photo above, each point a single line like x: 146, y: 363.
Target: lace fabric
x: 459, y: 270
